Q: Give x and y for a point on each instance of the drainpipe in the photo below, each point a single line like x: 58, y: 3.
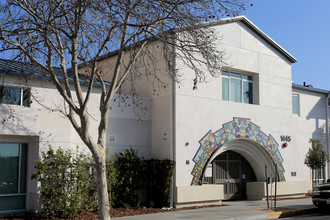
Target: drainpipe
x: 173, y: 84
x: 327, y: 126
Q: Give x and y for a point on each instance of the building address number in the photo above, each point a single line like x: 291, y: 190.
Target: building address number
x: 285, y: 138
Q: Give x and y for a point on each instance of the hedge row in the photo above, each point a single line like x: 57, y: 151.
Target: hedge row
x: 68, y: 183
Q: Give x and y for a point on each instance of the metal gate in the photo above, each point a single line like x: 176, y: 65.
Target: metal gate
x: 233, y: 171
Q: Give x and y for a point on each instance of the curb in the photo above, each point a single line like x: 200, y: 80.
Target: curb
x: 284, y: 214
x: 249, y: 217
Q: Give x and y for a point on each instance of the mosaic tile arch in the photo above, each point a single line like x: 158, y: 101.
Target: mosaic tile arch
x: 237, y: 128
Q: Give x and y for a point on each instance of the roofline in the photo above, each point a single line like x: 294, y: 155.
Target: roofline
x: 247, y: 22
x: 45, y: 77
x: 297, y: 86
x: 264, y: 36
x: 115, y: 52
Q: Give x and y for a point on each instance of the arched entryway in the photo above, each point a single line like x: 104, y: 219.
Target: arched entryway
x: 245, y: 139
x: 233, y: 171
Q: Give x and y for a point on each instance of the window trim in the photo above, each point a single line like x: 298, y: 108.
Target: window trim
x: 241, y: 85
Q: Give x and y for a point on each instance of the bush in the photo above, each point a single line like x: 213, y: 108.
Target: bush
x: 158, y: 181
x: 112, y: 180
x: 130, y: 173
x: 66, y: 184
x: 68, y: 181
x: 128, y: 167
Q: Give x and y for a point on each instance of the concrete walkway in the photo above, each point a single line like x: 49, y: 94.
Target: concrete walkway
x: 236, y: 210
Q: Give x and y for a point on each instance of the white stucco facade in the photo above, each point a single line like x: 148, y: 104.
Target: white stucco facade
x: 41, y: 125
x: 272, y: 108
x: 199, y: 111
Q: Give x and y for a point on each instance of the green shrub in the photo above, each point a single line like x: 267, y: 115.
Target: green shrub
x: 128, y: 177
x: 158, y: 181
x: 68, y: 181
x: 129, y: 173
x: 86, y: 187
x: 112, y: 180
x: 66, y: 184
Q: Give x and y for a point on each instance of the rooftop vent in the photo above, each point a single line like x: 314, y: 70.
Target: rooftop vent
x: 310, y: 86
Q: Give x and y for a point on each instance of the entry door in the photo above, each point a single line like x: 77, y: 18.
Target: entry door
x: 227, y: 171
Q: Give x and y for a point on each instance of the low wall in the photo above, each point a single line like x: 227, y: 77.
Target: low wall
x: 185, y: 196
x: 257, y: 190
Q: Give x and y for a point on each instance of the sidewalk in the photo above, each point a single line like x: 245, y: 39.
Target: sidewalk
x: 236, y: 210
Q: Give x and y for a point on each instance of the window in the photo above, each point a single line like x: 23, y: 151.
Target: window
x: 295, y: 104
x: 12, y: 176
x: 318, y: 175
x: 14, y: 96
x: 237, y: 87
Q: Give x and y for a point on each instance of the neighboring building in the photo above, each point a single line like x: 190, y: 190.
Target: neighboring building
x: 221, y: 135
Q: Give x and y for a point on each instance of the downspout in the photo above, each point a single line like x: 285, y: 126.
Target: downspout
x: 327, y: 126
x: 173, y: 84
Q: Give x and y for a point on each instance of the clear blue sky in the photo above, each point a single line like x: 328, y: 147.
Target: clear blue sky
x: 301, y: 27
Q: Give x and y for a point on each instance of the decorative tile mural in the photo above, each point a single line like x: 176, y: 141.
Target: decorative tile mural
x: 238, y: 128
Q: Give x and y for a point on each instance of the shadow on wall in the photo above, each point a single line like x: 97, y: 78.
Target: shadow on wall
x: 19, y: 120
x: 317, y: 112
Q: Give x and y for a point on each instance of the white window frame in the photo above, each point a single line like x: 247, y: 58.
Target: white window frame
x: 298, y: 104
x: 241, y: 80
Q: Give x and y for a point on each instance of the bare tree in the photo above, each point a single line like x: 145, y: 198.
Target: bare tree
x: 69, y: 33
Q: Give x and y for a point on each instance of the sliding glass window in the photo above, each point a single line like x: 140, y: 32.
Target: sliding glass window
x: 237, y: 87
x: 13, y: 158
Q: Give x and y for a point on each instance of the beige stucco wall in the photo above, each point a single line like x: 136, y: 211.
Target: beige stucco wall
x: 198, y: 195
x: 130, y: 127
x: 148, y: 76
x: 151, y: 81
x: 258, y: 190
x: 161, y: 127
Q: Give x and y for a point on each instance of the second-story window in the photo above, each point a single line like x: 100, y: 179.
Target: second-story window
x: 237, y: 87
x: 14, y: 96
x: 295, y: 104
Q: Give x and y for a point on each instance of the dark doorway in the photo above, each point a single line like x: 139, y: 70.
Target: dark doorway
x: 233, y: 171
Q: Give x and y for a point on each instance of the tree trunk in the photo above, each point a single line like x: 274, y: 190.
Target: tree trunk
x: 102, y: 188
